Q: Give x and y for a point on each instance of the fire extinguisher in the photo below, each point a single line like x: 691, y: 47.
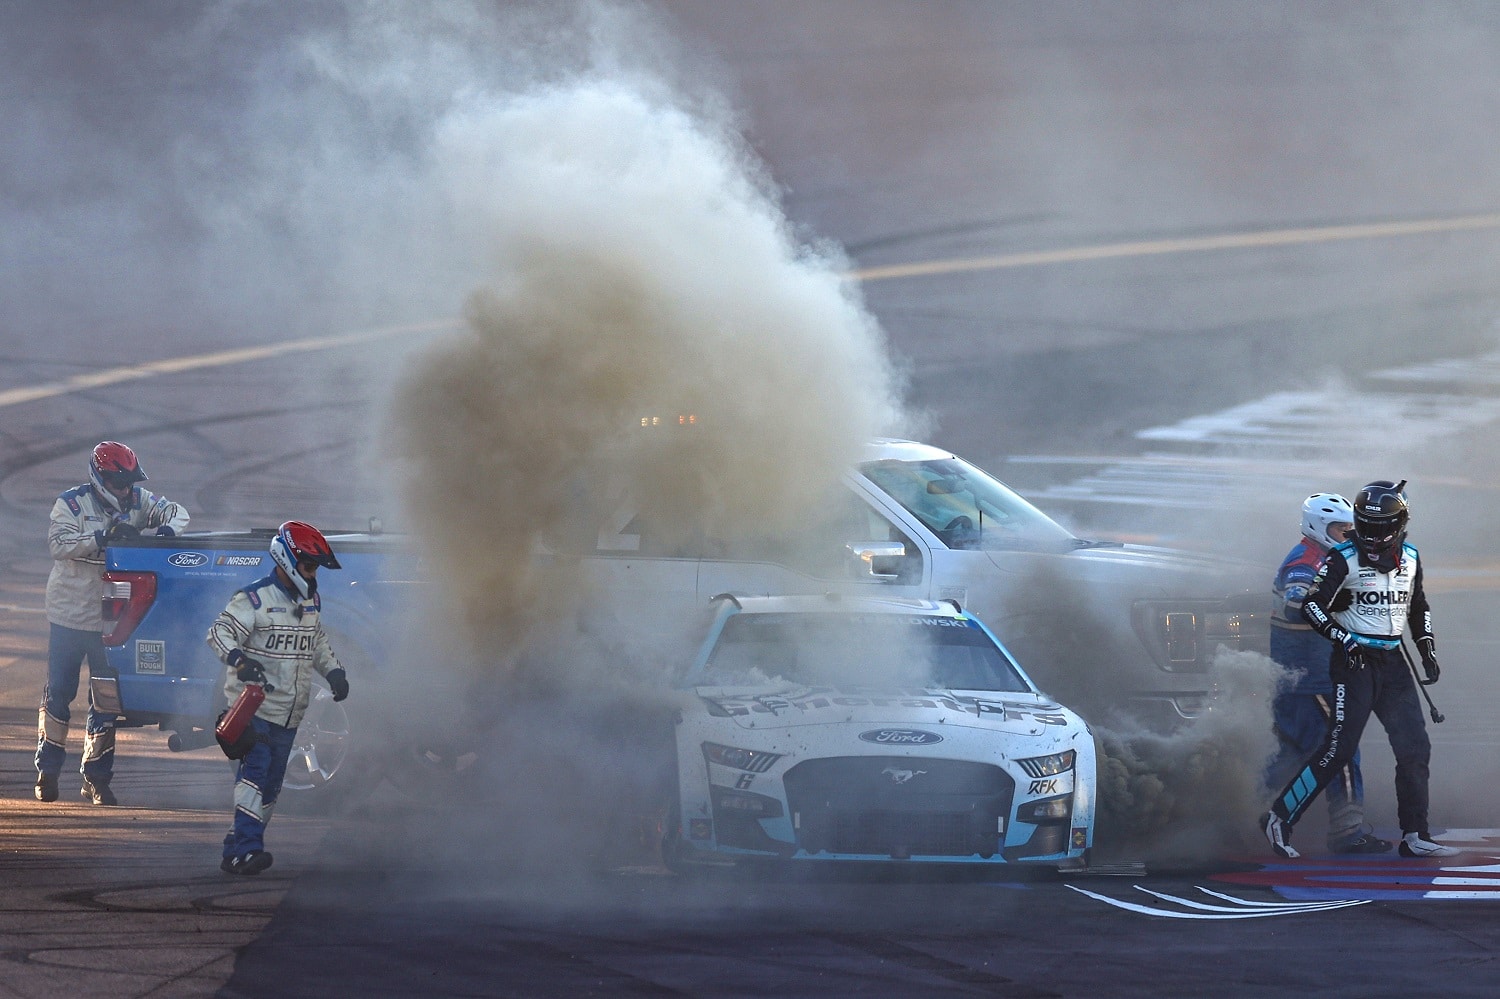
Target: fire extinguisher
x: 234, y: 733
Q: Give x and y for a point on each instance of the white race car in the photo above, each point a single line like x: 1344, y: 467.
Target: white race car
x: 868, y: 729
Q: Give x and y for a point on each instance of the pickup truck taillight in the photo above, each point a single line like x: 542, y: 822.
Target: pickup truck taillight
x: 127, y: 597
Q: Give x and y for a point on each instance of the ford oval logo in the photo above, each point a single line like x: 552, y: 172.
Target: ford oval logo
x: 187, y: 560
x: 900, y: 737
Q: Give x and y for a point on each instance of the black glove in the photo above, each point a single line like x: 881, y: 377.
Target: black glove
x: 338, y: 682
x: 248, y: 670
x: 1353, y: 653
x: 120, y: 530
x: 1428, y: 648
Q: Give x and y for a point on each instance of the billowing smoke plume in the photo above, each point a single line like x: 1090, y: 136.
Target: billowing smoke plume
x: 1195, y: 794
x: 653, y: 337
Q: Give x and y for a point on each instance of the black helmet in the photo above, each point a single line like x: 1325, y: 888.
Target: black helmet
x: 1380, y: 516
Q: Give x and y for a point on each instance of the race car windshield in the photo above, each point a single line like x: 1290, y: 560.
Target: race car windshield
x: 888, y: 651
x: 965, y: 507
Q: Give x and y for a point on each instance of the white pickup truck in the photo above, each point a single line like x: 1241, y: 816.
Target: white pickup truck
x: 1105, y: 627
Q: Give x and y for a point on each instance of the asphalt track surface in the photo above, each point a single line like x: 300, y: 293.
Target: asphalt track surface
x: 1142, y: 241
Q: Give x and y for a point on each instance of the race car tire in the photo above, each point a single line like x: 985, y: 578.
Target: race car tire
x: 672, y: 846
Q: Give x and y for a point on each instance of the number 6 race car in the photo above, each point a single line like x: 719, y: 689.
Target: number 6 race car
x: 866, y: 729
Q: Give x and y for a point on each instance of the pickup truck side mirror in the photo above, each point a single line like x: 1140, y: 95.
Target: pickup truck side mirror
x: 864, y: 553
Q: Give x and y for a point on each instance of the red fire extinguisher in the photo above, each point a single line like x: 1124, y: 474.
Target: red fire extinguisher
x: 234, y: 724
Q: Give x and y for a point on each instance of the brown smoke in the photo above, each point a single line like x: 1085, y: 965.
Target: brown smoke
x: 642, y: 270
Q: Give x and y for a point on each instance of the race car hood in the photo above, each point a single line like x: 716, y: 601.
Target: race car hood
x: 791, y: 706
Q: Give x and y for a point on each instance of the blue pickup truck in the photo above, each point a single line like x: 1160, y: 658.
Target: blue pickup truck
x: 161, y: 595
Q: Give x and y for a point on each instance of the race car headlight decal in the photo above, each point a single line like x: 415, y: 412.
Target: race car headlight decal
x: 751, y: 760
x: 754, y: 806
x: 1048, y: 766
x: 1046, y: 810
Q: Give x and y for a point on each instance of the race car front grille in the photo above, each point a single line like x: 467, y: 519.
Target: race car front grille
x: 898, y: 806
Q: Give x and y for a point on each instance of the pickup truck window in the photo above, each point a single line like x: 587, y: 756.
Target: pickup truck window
x: 965, y: 507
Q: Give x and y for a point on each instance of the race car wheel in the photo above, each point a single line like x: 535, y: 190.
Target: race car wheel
x: 672, y: 846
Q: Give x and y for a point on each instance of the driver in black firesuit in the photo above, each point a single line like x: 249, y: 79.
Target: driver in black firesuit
x: 1364, y: 595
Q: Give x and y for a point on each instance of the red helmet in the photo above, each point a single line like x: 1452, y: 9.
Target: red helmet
x: 113, y: 465
x: 298, y: 542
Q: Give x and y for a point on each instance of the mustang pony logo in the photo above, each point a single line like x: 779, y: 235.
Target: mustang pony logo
x: 899, y: 776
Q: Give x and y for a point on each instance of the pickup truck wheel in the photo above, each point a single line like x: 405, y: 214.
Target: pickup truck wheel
x: 322, y: 745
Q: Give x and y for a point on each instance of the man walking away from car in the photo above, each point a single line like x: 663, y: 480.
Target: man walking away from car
x: 1301, y: 713
x: 271, y: 633
x: 1366, y: 592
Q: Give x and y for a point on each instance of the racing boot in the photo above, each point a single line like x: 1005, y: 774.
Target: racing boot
x: 1279, y: 834
x: 98, y: 792
x: 249, y: 863
x: 46, y: 787
x: 1420, y: 844
x: 1365, y: 843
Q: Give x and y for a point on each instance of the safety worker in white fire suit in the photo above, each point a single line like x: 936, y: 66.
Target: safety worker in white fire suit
x: 271, y: 633
x: 1365, y: 594
x: 109, y: 508
x: 1301, y: 711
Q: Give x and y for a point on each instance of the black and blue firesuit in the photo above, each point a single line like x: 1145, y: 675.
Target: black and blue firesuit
x: 1374, y: 608
x: 1301, y: 712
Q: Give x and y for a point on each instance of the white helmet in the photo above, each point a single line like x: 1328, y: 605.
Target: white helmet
x: 1320, y: 511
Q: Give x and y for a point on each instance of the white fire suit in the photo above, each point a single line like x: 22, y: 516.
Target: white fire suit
x: 75, y: 589
x: 76, y: 539
x: 280, y: 629
x: 272, y: 624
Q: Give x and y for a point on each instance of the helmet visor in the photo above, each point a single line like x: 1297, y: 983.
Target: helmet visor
x: 1378, y: 533
x: 120, y: 480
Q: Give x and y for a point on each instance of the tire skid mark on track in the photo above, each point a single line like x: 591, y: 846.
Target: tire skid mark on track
x: 97, y: 896
x: 217, y: 359
x: 58, y: 448
x: 212, y: 495
x: 887, y: 949
x: 594, y: 954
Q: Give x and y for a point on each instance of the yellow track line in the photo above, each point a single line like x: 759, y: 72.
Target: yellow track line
x: 1155, y: 247
x: 1036, y: 258
x: 173, y: 365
